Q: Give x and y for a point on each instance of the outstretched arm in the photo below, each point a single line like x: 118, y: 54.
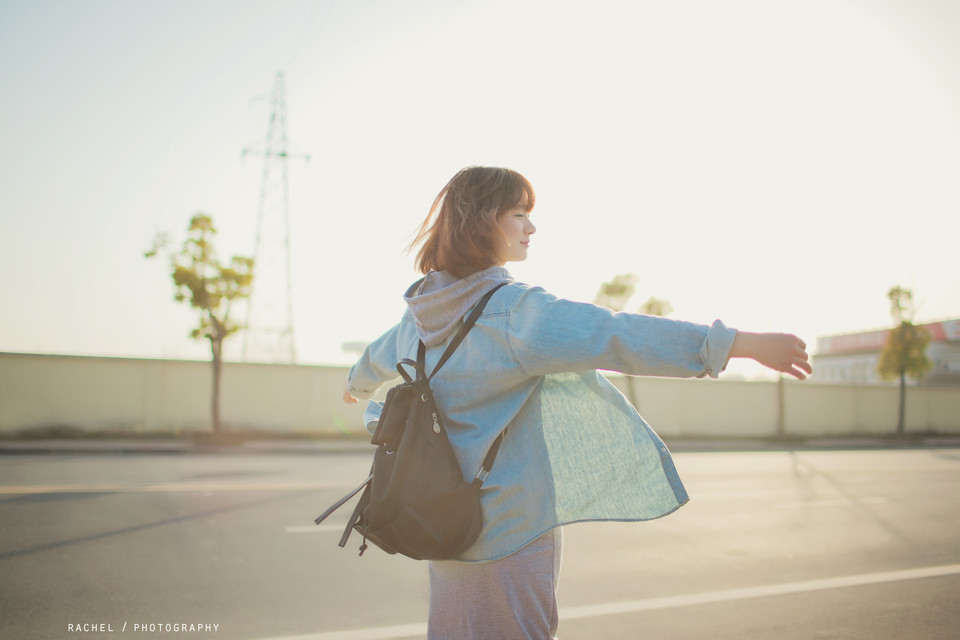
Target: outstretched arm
x: 373, y: 368
x: 546, y: 334
x: 781, y: 352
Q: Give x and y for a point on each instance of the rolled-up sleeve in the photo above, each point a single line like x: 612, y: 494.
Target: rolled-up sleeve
x: 371, y: 416
x: 715, y: 351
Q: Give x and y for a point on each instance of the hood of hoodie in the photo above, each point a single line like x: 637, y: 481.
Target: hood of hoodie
x: 439, y: 301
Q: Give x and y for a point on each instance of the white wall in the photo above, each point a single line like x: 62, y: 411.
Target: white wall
x: 111, y: 394
x: 169, y: 395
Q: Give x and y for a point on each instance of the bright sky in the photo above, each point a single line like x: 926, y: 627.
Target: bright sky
x: 778, y: 165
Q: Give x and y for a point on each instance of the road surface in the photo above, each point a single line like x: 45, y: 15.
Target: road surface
x: 780, y: 545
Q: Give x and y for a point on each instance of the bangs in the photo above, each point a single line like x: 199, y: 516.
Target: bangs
x: 519, y: 193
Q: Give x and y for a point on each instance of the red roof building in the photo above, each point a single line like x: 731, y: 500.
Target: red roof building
x: 851, y: 358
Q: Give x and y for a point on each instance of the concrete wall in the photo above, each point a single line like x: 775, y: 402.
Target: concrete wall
x: 99, y: 394
x: 119, y: 394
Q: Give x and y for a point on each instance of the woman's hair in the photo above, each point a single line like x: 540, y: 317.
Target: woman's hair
x: 459, y: 234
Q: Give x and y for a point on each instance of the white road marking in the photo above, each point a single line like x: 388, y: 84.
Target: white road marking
x: 709, y: 597
x: 667, y: 602
x: 838, y: 502
x: 373, y: 633
x: 316, y: 528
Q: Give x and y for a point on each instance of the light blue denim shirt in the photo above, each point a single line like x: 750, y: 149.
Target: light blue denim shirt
x: 575, y: 449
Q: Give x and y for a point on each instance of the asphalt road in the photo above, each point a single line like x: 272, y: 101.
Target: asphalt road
x: 780, y: 545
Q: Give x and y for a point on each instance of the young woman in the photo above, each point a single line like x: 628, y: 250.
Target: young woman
x: 574, y: 449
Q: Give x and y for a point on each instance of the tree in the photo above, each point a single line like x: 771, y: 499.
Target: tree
x: 656, y: 307
x: 615, y: 294
x: 905, y: 353
x: 210, y: 287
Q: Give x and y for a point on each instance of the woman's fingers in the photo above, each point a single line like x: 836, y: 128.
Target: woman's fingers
x: 348, y: 397
x: 796, y: 361
x: 799, y: 368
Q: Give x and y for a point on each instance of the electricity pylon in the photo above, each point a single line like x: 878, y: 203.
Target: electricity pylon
x: 269, y: 326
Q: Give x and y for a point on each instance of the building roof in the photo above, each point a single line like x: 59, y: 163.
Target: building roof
x: 868, y: 341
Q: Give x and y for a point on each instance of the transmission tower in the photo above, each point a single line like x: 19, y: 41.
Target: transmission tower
x: 269, y: 327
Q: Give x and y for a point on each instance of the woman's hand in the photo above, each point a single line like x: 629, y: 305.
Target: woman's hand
x: 348, y: 397
x: 781, y: 352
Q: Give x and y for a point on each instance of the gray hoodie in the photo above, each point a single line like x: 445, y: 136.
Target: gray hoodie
x: 439, y: 301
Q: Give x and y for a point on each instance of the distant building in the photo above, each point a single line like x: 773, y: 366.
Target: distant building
x: 852, y: 358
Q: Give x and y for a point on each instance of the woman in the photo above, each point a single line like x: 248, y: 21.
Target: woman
x: 574, y: 449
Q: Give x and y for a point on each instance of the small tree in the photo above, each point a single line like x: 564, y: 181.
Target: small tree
x: 656, y: 307
x: 616, y: 293
x: 905, y: 353
x: 210, y: 287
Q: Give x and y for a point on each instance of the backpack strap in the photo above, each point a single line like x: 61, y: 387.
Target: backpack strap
x: 457, y: 339
x: 355, y: 517
x: 357, y: 512
x: 339, y: 503
x: 488, y: 459
x: 403, y: 372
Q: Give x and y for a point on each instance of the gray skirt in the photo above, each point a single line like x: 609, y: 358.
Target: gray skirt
x: 514, y: 598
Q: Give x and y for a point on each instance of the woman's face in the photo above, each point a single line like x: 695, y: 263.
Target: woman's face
x: 516, y: 228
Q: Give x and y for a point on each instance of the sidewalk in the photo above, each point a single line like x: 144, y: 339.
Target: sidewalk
x: 65, y: 446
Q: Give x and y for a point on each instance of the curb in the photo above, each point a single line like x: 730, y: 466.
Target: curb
x: 362, y: 446
x: 180, y: 447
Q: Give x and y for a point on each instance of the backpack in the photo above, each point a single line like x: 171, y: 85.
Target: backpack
x: 415, y: 501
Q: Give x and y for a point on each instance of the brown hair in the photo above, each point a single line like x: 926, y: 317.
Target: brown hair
x: 459, y: 234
